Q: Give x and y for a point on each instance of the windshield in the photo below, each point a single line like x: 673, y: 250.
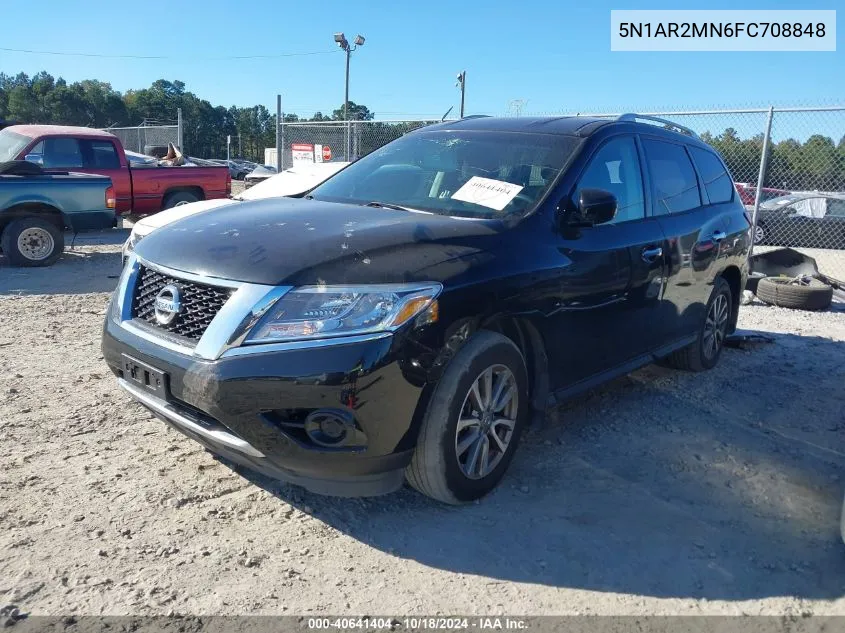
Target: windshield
x: 477, y: 174
x: 11, y: 144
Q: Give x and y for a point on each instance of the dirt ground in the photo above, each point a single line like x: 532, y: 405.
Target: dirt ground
x: 662, y: 493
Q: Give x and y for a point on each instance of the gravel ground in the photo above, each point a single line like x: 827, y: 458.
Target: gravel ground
x: 661, y: 493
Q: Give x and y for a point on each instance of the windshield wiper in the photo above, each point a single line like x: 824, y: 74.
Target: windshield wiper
x: 387, y: 205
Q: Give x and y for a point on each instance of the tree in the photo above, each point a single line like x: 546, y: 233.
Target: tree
x: 356, y: 113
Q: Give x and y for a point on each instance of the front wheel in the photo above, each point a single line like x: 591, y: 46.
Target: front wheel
x: 32, y: 241
x: 704, y: 353
x: 473, y: 421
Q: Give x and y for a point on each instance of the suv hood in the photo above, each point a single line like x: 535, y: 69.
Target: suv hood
x: 283, y: 241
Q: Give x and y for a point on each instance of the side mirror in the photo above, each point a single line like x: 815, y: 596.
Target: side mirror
x: 38, y: 159
x: 596, y: 206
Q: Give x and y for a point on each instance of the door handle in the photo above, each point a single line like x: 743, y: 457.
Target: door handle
x: 718, y: 236
x: 649, y: 255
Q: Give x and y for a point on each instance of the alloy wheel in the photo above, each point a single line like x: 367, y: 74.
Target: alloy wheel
x: 35, y: 243
x: 715, y: 326
x: 486, y: 422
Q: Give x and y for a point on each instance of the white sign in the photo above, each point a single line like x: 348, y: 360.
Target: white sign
x: 318, y: 153
x: 493, y: 194
x: 302, y: 153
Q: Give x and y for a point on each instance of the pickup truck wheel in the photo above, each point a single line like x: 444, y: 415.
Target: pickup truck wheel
x: 32, y: 241
x: 473, y: 421
x: 179, y: 198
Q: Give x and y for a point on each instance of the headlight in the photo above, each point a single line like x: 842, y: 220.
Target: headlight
x: 313, y: 312
x: 134, y: 238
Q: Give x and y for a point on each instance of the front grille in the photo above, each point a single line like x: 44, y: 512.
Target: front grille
x: 200, y: 303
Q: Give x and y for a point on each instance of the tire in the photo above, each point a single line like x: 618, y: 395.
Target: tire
x: 700, y: 356
x: 437, y: 469
x: 178, y: 198
x: 780, y: 291
x: 32, y: 241
x: 761, y: 234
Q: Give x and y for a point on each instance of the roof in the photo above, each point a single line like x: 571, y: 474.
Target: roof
x: 547, y: 125
x: 581, y: 126
x: 58, y: 130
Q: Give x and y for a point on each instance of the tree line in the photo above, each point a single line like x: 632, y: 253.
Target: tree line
x: 43, y: 98
x: 816, y: 164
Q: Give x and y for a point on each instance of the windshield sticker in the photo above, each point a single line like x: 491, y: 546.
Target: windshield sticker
x: 493, y: 194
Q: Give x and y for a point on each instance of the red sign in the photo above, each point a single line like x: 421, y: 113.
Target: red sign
x: 327, y: 153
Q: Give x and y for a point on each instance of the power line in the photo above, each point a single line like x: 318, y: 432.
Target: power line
x: 70, y: 54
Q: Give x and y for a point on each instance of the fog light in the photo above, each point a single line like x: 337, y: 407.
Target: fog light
x: 330, y: 427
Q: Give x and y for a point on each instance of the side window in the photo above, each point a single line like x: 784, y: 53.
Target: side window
x: 61, y: 153
x: 673, y: 181
x: 616, y: 168
x: 100, y: 154
x: 716, y: 180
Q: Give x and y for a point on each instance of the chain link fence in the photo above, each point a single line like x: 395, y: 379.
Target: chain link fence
x: 352, y: 138
x: 145, y: 138
x: 802, y: 197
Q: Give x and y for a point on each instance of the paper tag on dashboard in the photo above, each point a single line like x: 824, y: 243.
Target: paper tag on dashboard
x: 493, y: 194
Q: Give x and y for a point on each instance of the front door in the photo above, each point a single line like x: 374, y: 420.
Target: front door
x: 610, y: 275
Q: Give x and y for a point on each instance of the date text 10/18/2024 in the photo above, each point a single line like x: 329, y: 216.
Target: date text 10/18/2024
x: 419, y: 624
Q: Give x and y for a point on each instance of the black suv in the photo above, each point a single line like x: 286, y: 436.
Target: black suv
x: 409, y: 316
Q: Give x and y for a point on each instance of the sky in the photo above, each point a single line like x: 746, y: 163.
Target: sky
x: 553, y: 56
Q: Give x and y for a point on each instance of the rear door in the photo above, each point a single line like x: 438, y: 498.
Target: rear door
x: 694, y: 231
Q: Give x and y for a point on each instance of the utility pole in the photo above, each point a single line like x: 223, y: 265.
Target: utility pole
x: 278, y: 133
x: 515, y: 106
x: 462, y: 84
x: 341, y: 41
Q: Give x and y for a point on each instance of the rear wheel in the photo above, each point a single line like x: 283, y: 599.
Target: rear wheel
x: 178, y: 198
x: 760, y: 234
x: 473, y: 422
x: 704, y: 353
x: 32, y: 241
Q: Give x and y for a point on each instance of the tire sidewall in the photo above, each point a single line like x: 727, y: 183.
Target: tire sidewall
x: 180, y: 197
x: 13, y: 230
x: 720, y: 287
x: 458, y: 383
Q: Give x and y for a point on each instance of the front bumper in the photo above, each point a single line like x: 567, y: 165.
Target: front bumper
x: 240, y: 406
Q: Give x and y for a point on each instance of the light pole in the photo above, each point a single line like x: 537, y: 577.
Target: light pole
x: 462, y: 84
x: 341, y: 40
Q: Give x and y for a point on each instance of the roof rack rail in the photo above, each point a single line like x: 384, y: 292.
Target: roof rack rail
x: 632, y: 116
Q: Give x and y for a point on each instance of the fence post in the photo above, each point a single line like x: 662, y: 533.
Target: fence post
x: 278, y: 133
x: 764, y: 159
x: 179, y: 130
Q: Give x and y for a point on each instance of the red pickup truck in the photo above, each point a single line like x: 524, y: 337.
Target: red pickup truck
x: 139, y: 190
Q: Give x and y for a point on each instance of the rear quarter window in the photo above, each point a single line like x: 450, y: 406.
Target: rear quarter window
x: 716, y: 180
x: 674, y: 184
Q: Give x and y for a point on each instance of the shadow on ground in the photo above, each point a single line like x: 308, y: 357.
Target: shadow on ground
x: 92, y: 264
x: 730, y: 490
